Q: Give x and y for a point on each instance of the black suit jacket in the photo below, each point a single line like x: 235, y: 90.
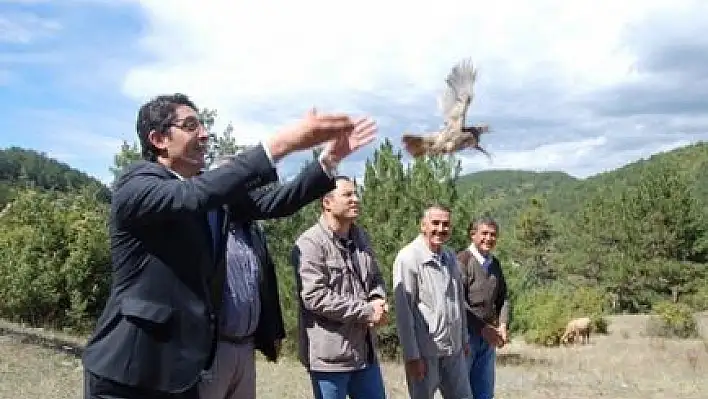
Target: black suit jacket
x: 311, y: 183
x: 159, y: 329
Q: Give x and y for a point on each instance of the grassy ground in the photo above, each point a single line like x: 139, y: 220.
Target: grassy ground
x: 623, y: 364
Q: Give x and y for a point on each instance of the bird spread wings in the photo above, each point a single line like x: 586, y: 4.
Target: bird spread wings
x: 459, y: 93
x: 453, y: 103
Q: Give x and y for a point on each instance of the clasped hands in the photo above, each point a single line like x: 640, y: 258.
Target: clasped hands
x: 380, y: 315
x: 495, y: 336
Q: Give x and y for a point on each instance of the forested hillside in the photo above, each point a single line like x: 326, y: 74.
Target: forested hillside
x: 505, y: 192
x: 22, y: 167
x: 629, y: 240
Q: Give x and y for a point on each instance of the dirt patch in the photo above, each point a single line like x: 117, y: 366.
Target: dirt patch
x: 702, y: 324
x: 623, y: 364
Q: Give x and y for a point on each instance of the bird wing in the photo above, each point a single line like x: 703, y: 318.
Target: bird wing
x: 458, y: 94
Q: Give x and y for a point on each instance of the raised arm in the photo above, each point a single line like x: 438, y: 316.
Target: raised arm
x: 143, y: 195
x: 314, y: 181
x: 285, y: 199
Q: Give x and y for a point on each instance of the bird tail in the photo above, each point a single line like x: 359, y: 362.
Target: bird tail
x: 476, y: 129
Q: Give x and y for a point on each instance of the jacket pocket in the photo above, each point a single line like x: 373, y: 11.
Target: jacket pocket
x: 140, y: 310
x: 332, y: 343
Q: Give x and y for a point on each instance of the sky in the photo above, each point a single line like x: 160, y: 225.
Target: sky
x: 581, y: 87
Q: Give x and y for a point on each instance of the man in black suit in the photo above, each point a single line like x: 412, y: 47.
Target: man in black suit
x: 159, y: 328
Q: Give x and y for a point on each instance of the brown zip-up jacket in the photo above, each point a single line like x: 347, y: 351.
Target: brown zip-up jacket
x: 335, y: 286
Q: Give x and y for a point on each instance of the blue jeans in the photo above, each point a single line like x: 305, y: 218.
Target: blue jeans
x: 481, y: 364
x: 361, y: 384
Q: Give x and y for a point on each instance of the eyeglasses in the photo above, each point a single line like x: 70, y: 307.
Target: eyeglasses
x: 189, y: 124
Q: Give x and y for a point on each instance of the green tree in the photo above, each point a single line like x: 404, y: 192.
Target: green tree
x: 226, y: 142
x: 641, y: 241
x: 220, y: 144
x: 127, y: 154
x: 54, y: 258
x: 534, y: 238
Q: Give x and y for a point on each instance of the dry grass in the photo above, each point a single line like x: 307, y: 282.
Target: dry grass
x: 624, y: 364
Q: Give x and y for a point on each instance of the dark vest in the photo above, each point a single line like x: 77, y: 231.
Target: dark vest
x: 482, y: 289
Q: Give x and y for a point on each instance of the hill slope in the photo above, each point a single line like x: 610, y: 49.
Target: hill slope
x: 22, y: 167
x: 507, y: 192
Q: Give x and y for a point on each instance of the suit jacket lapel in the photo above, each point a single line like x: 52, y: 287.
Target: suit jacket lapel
x: 204, y: 222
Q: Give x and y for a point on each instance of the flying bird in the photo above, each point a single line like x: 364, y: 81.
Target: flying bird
x: 453, y: 104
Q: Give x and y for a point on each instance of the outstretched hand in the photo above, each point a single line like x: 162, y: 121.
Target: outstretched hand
x: 312, y: 130
x: 343, y: 145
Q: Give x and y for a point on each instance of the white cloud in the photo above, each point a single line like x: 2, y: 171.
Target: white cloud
x: 243, y: 57
x: 578, y: 158
x: 23, y: 28
x: 544, y: 157
x: 241, y: 52
x: 272, y: 48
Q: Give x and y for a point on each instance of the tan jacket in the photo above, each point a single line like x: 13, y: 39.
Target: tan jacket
x: 430, y: 306
x: 334, y: 304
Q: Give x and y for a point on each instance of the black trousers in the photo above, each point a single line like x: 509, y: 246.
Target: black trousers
x: 96, y: 387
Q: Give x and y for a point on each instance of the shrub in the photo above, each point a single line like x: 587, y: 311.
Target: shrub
x: 542, y: 314
x: 672, y: 320
x: 54, y: 260
x: 699, y: 299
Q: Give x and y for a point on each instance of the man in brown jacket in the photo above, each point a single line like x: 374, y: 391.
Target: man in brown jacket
x: 342, y: 299
x: 487, y: 305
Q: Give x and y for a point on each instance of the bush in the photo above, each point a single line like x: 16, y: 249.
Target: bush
x: 699, y: 299
x: 672, y: 320
x: 54, y: 260
x: 599, y: 325
x: 542, y: 314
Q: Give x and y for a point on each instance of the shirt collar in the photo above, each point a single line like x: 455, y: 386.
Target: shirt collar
x: 336, y: 237
x: 430, y: 255
x: 175, y: 173
x: 477, y: 255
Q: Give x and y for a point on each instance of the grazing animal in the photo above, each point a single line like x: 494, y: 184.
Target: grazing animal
x: 577, y: 327
x: 453, y: 104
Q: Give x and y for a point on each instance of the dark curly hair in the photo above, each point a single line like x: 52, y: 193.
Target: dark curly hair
x: 157, y: 114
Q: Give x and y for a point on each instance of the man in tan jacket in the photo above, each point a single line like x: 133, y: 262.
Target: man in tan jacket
x: 430, y: 312
x: 342, y: 300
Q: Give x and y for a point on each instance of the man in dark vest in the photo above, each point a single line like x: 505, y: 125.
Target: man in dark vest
x: 487, y: 305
